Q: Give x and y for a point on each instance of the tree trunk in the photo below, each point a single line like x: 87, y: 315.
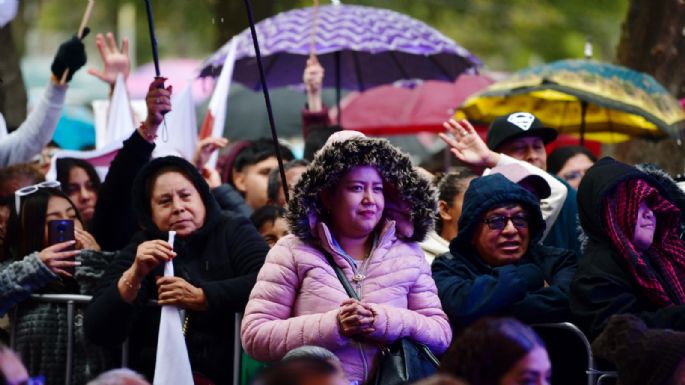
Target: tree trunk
x: 12, y: 89
x: 652, y: 42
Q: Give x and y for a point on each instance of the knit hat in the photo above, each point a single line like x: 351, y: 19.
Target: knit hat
x: 642, y: 356
x: 517, y: 125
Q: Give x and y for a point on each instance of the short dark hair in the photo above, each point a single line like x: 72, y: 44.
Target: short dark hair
x: 450, y: 185
x: 64, y: 166
x: 558, y: 157
x: 268, y: 213
x: 21, y: 170
x: 316, y: 138
x: 274, y: 183
x: 257, y: 151
x: 486, y: 350
x: 295, y: 371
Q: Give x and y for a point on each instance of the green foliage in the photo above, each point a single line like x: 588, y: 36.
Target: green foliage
x: 506, y: 34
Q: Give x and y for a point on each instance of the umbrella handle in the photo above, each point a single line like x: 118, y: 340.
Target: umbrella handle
x: 312, y: 31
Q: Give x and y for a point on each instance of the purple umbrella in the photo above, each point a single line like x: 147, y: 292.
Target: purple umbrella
x: 364, y: 46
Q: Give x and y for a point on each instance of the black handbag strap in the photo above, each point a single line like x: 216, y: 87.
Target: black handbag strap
x: 341, y: 276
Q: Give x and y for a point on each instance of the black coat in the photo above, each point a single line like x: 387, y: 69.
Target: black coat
x: 470, y: 289
x: 114, y: 221
x: 603, y: 284
x: 223, y: 258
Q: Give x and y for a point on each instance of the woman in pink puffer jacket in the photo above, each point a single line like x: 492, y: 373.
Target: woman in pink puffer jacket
x: 362, y: 202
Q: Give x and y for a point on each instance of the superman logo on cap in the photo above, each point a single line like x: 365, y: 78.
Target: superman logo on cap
x: 522, y: 120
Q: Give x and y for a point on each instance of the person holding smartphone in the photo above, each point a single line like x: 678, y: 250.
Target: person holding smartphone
x: 51, y: 253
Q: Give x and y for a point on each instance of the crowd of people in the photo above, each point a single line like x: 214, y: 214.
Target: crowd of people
x: 464, y: 262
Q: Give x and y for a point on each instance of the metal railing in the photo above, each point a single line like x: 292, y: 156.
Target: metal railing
x: 71, y: 300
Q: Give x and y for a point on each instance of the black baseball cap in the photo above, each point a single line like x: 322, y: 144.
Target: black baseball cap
x: 517, y: 125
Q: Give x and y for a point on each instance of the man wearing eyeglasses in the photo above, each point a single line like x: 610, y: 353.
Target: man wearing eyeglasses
x: 521, y: 137
x: 496, y: 265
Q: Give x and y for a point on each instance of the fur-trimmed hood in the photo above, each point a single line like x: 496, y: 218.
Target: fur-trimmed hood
x: 405, y: 188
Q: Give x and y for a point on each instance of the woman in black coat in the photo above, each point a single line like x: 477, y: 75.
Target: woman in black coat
x: 216, y: 258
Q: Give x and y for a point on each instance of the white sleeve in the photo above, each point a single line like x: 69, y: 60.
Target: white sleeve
x: 550, y: 206
x: 29, y: 139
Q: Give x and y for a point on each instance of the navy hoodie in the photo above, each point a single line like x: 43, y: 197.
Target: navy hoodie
x: 534, y: 290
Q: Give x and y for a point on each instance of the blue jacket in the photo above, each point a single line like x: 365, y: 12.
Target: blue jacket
x: 534, y: 290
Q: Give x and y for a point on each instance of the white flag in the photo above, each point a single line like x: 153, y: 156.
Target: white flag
x: 213, y: 125
x: 172, y: 365
x: 179, y: 137
x: 116, y: 114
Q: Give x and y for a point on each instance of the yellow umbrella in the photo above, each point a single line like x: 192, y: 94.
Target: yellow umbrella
x: 594, y: 100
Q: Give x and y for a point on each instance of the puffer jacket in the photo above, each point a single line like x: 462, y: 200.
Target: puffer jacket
x: 603, y: 284
x: 297, y: 296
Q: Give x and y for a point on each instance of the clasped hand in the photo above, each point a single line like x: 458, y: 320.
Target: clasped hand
x: 355, y: 318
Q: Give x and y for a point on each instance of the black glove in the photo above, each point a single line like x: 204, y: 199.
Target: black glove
x: 72, y: 55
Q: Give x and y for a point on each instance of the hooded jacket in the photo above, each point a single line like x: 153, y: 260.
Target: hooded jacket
x: 297, y: 296
x: 222, y: 257
x: 604, y: 285
x: 534, y: 290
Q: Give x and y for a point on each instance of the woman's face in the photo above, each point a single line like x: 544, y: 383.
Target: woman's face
x: 356, y: 203
x: 176, y: 204
x: 82, y: 192
x: 59, y: 208
x: 533, y: 369
x: 645, y: 226
x: 574, y: 169
x: 273, y: 231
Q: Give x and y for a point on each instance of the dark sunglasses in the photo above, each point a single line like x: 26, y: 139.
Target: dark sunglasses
x: 499, y: 222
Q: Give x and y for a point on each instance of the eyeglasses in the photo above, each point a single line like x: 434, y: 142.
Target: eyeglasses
x: 499, y: 222
x: 28, y: 190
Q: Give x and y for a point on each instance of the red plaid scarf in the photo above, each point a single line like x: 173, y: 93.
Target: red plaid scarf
x: 660, y: 270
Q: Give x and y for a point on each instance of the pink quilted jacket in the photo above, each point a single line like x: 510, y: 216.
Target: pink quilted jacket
x: 297, y: 296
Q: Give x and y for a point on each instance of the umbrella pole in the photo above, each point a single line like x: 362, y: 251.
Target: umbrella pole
x: 338, y: 85
x: 267, y: 99
x: 583, y: 111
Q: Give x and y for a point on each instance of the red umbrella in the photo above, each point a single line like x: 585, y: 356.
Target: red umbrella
x: 407, y: 108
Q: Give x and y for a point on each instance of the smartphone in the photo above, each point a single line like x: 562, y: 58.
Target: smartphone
x: 61, y: 230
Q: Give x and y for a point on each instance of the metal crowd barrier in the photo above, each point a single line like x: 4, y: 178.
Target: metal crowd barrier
x: 71, y: 300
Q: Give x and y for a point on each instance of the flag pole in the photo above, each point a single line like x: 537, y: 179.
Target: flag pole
x: 267, y: 99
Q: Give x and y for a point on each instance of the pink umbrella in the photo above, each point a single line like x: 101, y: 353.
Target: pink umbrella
x: 178, y: 71
x: 405, y: 108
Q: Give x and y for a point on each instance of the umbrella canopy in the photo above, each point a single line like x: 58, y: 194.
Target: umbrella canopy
x: 407, y: 107
x: 179, y: 73
x: 607, y: 103
x: 364, y: 46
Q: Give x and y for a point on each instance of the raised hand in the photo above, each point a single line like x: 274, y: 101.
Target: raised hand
x: 205, y: 148
x: 115, y: 59
x: 58, y: 260
x: 158, y: 101
x: 466, y: 144
x: 177, y: 291
x: 313, y: 81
